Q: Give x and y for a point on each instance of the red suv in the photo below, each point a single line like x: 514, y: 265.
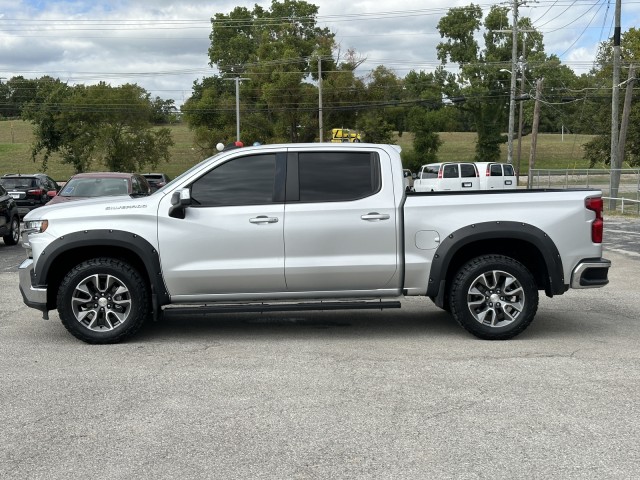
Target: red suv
x: 102, y: 184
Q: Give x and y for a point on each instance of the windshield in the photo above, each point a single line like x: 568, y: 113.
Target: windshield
x: 95, y: 187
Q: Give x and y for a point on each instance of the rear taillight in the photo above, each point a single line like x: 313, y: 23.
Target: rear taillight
x: 440, y: 173
x: 37, y: 191
x: 595, y: 204
x: 488, y: 174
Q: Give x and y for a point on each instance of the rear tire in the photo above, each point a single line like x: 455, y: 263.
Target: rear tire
x: 13, y: 236
x: 103, y: 300
x: 493, y: 297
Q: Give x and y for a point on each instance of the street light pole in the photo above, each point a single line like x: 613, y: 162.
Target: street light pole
x: 237, y: 80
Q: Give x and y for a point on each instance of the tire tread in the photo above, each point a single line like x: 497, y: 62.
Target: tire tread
x: 69, y: 321
x: 473, y: 266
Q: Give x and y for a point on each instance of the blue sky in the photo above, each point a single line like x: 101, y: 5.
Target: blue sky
x: 162, y: 45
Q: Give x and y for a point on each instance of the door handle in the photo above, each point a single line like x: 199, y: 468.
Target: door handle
x: 374, y: 216
x: 260, y: 219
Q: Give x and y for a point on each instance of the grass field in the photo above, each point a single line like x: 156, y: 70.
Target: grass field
x: 16, y: 141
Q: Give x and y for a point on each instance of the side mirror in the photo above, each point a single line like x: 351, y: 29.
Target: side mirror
x: 180, y: 199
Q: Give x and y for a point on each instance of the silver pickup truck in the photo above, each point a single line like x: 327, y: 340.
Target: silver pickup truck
x: 308, y: 226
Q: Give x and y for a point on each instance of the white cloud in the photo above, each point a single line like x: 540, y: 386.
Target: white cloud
x: 164, y: 47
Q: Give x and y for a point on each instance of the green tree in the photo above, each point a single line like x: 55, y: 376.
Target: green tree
x: 276, y: 50
x: 428, y: 116
x: 210, y: 113
x: 164, y: 111
x: 598, y: 150
x: 111, y: 126
x: 18, y: 92
x: 342, y: 94
x: 375, y: 128
x: 482, y: 84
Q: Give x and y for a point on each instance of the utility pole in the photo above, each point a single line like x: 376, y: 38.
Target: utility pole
x: 523, y: 64
x: 237, y: 80
x: 320, y: 99
x: 534, y: 131
x: 615, y: 98
x: 626, y: 112
x: 512, y: 89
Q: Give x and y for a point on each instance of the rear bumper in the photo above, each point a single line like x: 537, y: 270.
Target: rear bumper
x: 34, y: 297
x: 591, y: 273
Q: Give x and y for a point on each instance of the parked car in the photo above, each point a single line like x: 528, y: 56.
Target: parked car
x: 9, y: 218
x: 102, y: 184
x: 29, y: 191
x: 439, y: 177
x: 496, y: 176
x: 156, y: 180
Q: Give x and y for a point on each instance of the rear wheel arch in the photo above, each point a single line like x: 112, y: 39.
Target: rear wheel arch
x: 525, y: 243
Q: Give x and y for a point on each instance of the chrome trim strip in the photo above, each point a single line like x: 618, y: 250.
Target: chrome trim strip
x: 32, y: 296
x: 577, y: 273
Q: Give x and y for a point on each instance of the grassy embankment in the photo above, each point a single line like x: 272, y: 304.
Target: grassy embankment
x: 16, y: 139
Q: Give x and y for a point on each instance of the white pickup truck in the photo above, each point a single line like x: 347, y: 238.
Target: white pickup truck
x: 308, y: 226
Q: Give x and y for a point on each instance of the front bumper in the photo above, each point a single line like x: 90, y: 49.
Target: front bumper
x: 591, y: 273
x: 34, y: 297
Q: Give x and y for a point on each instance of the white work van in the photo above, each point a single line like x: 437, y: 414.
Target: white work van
x: 496, y: 176
x: 442, y: 177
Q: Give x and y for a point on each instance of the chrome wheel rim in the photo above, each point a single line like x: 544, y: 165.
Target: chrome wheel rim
x: 101, y: 302
x: 495, y: 298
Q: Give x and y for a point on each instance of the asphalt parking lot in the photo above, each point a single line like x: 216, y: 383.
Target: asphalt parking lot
x: 394, y: 394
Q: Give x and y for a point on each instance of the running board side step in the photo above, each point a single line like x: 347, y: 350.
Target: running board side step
x: 281, y: 307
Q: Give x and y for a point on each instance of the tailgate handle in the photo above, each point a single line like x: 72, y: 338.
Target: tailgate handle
x: 263, y: 219
x: 374, y: 216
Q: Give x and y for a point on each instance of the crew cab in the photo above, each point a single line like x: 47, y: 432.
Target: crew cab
x: 308, y: 226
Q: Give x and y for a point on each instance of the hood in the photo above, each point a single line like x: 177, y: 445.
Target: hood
x: 63, y: 199
x: 78, y: 207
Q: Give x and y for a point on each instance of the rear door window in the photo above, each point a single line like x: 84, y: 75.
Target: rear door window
x: 335, y: 176
x: 467, y: 170
x: 450, y: 171
x: 508, y: 171
x: 496, y: 170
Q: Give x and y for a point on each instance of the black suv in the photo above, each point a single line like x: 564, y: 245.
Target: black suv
x: 9, y: 218
x: 29, y: 191
x: 156, y: 180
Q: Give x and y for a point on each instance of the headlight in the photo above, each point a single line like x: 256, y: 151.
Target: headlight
x: 35, y: 226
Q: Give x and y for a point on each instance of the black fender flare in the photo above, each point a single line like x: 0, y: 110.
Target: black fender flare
x: 132, y: 242
x: 499, y: 230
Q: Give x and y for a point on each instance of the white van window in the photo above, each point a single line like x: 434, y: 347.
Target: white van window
x: 450, y: 171
x: 430, y: 172
x: 496, y: 170
x: 508, y: 171
x: 467, y: 170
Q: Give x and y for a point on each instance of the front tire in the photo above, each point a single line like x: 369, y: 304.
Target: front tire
x: 494, y: 297
x: 14, y: 232
x: 103, y: 300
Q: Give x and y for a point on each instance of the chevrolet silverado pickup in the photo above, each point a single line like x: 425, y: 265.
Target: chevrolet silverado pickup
x: 303, y: 227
